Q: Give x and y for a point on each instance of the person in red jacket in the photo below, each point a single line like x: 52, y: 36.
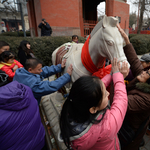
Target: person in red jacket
x: 9, y: 64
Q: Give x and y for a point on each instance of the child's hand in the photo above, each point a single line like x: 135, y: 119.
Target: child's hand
x: 114, y: 64
x: 69, y: 70
x: 63, y: 63
x: 124, y: 69
x: 124, y: 35
x: 15, y: 68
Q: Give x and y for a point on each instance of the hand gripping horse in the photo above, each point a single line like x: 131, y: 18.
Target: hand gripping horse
x: 105, y: 41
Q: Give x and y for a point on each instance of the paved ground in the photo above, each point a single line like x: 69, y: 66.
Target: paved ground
x: 147, y: 143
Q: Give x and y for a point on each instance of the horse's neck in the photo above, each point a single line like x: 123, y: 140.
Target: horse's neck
x: 94, y: 50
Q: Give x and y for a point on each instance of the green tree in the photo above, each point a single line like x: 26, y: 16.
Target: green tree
x: 132, y: 19
x: 144, y: 8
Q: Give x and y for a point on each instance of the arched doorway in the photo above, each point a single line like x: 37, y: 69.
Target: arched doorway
x: 114, y: 8
x: 90, y: 17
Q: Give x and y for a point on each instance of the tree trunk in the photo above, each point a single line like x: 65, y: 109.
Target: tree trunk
x: 141, y: 16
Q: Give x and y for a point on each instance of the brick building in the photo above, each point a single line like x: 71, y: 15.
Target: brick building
x: 68, y: 17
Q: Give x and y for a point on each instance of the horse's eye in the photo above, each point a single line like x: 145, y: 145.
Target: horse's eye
x: 110, y: 43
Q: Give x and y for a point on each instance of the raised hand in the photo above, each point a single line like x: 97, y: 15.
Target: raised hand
x: 124, y: 69
x: 63, y: 63
x: 69, y: 70
x: 124, y: 35
x: 114, y: 64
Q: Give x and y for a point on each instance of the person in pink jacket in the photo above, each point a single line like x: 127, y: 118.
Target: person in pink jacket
x: 86, y: 121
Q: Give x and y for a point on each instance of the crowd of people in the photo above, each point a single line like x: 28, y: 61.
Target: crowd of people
x: 87, y: 121
x: 91, y: 117
x: 21, y: 88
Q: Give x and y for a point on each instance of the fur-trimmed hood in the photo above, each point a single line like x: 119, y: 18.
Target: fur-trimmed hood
x: 144, y: 87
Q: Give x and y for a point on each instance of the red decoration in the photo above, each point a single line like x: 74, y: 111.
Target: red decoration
x: 89, y: 65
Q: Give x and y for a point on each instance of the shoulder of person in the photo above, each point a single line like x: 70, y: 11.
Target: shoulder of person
x: 3, y: 78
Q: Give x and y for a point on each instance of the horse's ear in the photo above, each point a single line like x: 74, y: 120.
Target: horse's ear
x: 105, y: 22
x: 109, y: 21
x: 113, y: 21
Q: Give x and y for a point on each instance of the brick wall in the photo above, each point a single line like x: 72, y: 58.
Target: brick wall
x: 38, y: 15
x: 121, y: 9
x: 63, y: 15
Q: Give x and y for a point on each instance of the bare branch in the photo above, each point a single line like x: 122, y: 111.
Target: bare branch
x: 9, y: 7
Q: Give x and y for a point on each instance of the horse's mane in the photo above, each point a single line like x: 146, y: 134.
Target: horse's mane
x: 97, y: 27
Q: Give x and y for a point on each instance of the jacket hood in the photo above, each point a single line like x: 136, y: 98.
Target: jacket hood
x: 14, y: 96
x: 144, y: 87
x: 79, y: 129
x: 25, y: 77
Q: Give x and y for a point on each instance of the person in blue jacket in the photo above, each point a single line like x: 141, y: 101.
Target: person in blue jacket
x: 33, y: 74
x: 46, y: 29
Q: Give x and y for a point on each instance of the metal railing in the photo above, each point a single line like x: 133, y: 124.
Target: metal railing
x: 142, y: 32
x: 88, y: 26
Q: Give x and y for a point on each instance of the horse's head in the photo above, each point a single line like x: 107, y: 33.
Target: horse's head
x: 108, y: 39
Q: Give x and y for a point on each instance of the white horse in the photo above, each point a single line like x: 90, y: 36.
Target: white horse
x: 105, y: 42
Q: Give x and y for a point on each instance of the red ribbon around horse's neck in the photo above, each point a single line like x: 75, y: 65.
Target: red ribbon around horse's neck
x: 89, y: 65
x: 86, y: 58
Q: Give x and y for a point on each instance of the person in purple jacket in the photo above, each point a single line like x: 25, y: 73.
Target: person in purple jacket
x: 20, y: 123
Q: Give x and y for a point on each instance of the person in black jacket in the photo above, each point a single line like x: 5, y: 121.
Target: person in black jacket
x: 46, y: 30
x: 25, y: 52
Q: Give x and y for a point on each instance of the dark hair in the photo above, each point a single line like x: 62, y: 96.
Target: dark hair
x: 3, y: 43
x: 86, y: 92
x: 74, y: 36
x: 24, y: 47
x: 148, y: 81
x: 43, y: 19
x: 6, y: 55
x: 32, y: 63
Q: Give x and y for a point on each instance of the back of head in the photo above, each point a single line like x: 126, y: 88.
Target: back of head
x: 3, y: 43
x: 6, y: 55
x: 85, y: 93
x: 32, y: 63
